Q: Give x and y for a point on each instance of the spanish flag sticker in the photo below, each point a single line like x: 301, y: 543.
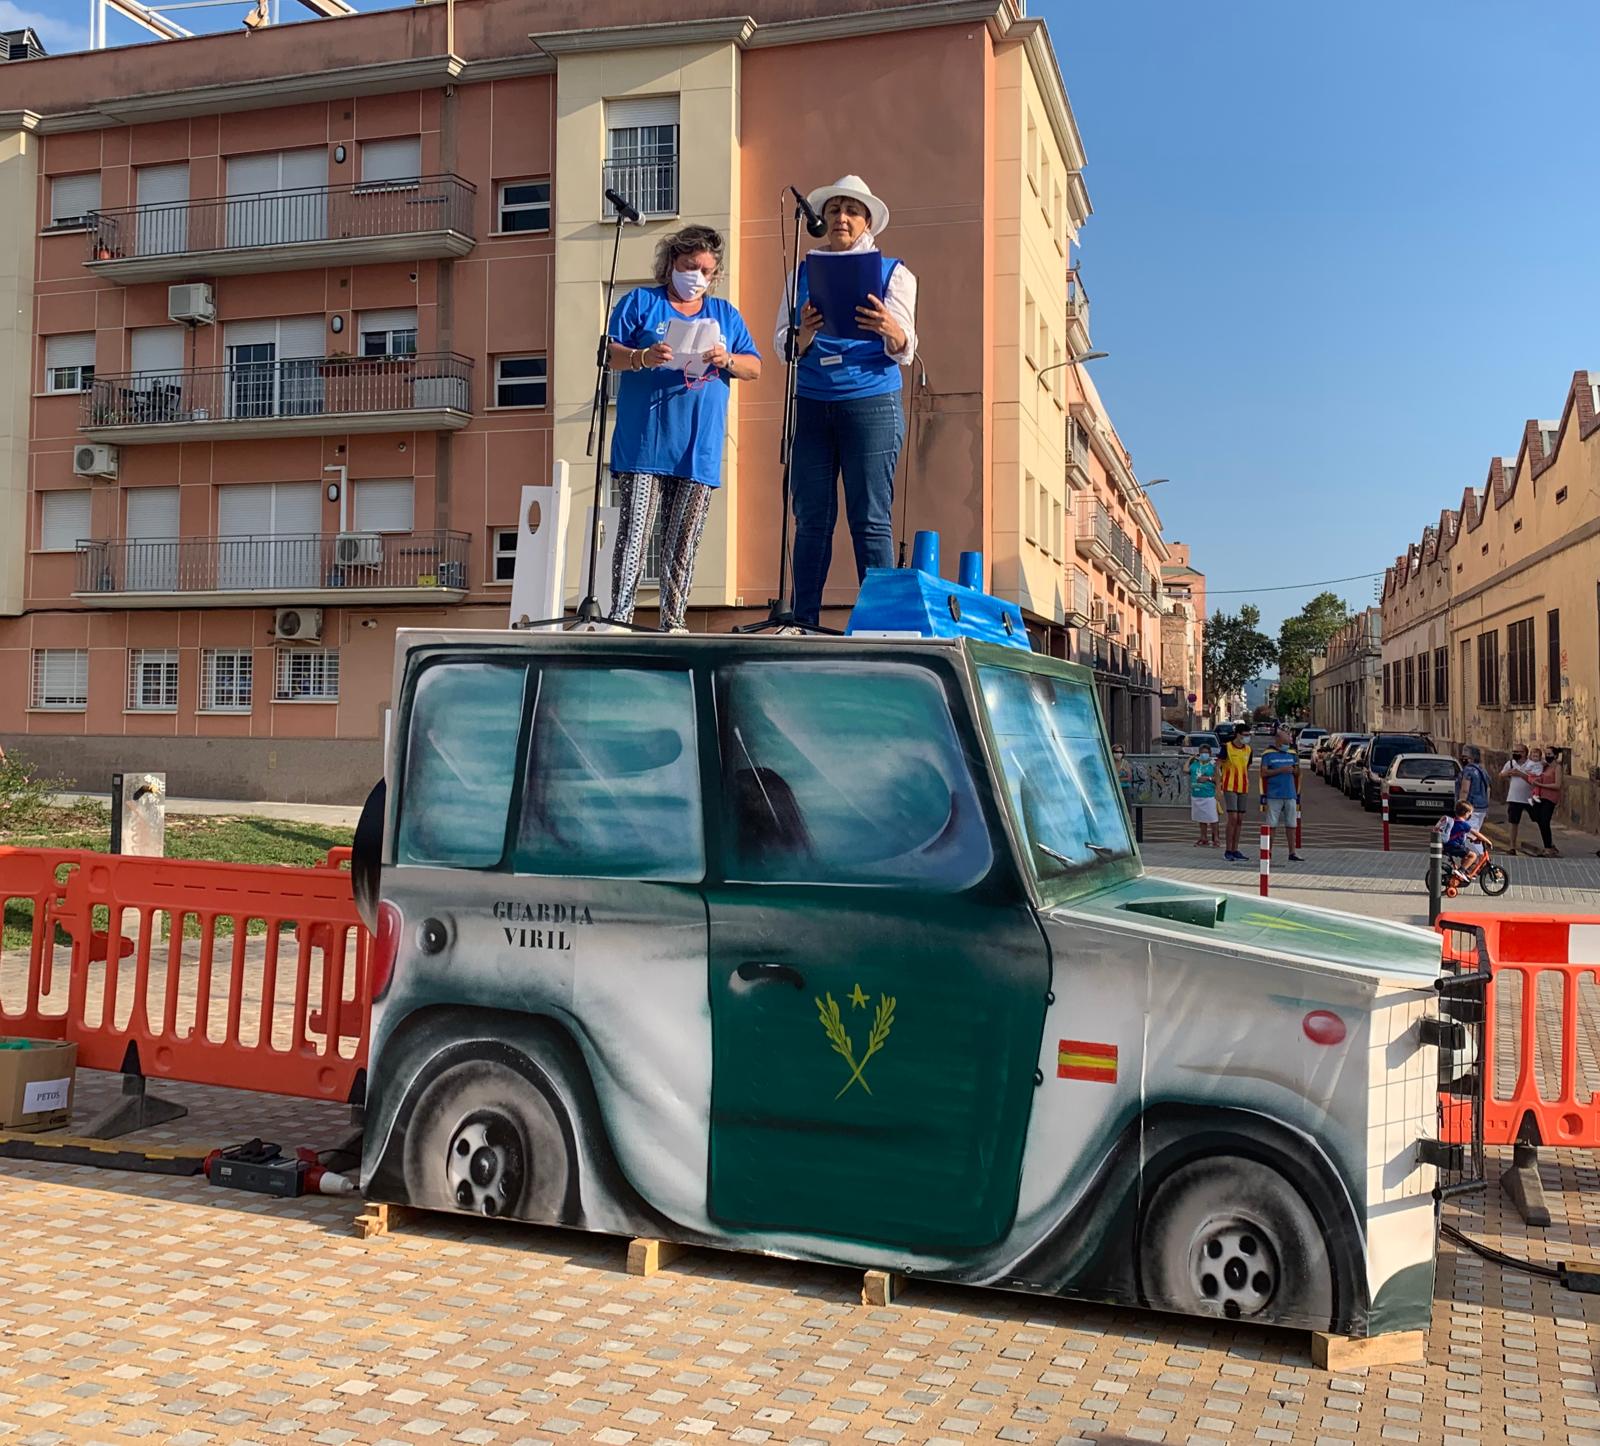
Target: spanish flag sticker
x: 1079, y: 1059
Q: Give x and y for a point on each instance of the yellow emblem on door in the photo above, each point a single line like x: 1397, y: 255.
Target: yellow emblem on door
x: 839, y: 1038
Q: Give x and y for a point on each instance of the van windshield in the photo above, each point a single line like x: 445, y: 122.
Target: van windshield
x: 1063, y: 792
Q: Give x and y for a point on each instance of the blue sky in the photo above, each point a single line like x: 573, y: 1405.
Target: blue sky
x: 1339, y: 255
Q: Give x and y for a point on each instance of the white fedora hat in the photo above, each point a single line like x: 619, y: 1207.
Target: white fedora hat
x: 855, y: 188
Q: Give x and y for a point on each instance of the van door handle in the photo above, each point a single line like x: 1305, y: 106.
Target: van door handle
x: 754, y: 971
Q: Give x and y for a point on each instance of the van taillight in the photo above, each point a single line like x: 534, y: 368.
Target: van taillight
x: 1323, y: 1026
x: 386, y: 948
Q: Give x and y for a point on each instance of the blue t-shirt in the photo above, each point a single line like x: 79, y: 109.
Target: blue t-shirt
x: 666, y: 425
x: 1459, y: 830
x: 1477, y: 785
x: 1280, y: 785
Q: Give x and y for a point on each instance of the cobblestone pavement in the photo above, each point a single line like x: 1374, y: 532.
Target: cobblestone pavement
x: 141, y: 1306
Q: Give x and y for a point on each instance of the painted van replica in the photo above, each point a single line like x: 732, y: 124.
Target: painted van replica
x: 842, y: 950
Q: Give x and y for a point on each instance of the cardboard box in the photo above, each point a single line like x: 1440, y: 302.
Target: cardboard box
x: 36, y: 1077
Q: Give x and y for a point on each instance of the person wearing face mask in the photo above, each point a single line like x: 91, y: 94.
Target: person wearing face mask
x: 1521, y: 774
x: 672, y: 420
x: 848, y: 419
x: 1546, y: 797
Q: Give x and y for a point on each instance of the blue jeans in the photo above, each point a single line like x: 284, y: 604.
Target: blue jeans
x: 860, y: 438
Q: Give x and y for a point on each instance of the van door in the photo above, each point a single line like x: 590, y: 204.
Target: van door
x: 878, y: 982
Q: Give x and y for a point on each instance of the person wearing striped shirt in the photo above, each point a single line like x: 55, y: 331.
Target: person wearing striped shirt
x: 1233, y: 777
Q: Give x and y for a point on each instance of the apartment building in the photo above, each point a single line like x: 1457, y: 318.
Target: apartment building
x: 1347, y: 681
x: 1183, y: 639
x: 291, y: 316
x: 1524, y: 621
x: 1415, y: 612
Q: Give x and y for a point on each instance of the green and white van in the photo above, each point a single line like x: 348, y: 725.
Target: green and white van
x: 842, y: 950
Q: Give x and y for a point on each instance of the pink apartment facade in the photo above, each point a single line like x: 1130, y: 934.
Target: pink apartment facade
x: 302, y: 310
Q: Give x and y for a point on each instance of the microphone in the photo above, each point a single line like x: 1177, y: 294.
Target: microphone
x: 815, y: 225
x: 629, y: 212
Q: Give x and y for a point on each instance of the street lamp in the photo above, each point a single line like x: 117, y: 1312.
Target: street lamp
x: 1072, y: 361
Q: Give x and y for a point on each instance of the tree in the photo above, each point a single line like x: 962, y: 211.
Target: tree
x: 1302, y: 638
x: 1237, y: 652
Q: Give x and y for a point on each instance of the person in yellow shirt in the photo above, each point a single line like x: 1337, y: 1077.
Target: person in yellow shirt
x: 1234, y: 778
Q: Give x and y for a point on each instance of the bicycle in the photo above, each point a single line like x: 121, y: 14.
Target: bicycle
x: 1491, y: 877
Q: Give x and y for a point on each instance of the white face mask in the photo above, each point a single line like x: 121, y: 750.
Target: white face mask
x: 686, y: 285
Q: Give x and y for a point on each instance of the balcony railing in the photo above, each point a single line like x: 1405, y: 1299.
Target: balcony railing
x: 1099, y: 536
x: 428, y: 216
x: 1077, y: 312
x: 648, y: 182
x: 294, y: 396
x: 305, y: 568
x: 1079, y: 596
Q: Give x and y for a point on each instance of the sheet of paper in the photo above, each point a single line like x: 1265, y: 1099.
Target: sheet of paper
x: 690, y: 338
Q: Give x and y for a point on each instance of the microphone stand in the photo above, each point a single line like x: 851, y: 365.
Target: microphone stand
x: 588, y: 614
x: 780, y: 610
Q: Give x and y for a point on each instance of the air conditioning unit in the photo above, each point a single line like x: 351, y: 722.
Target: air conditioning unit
x: 93, y: 459
x: 297, y: 625
x: 358, y: 549
x: 192, y: 302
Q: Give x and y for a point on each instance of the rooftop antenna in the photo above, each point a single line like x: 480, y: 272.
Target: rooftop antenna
x: 157, y: 17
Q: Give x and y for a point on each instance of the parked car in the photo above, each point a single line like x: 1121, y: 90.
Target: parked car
x: 1341, y: 757
x: 844, y: 951
x: 1224, y: 732
x: 1323, y: 751
x: 1170, y: 737
x: 1386, y: 747
x: 1351, y: 775
x: 1306, y: 740
x: 1194, y: 742
x: 1265, y: 728
x: 1420, y: 786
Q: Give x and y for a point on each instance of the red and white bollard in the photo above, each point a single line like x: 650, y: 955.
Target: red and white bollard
x: 1386, y: 823
x: 1266, y: 857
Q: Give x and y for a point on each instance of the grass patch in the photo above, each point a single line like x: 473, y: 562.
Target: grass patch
x: 223, y: 839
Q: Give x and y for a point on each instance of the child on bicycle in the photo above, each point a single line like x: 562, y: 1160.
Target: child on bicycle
x: 1461, y: 840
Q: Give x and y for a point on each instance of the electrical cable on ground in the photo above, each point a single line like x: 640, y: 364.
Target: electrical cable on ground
x: 1584, y: 1282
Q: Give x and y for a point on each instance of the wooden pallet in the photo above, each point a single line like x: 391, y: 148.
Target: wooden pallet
x: 648, y: 1256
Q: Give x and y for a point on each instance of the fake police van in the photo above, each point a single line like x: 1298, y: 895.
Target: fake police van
x: 842, y: 950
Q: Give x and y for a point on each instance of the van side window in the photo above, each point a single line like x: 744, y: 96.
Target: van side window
x: 847, y: 774
x: 460, y: 764
x: 612, y: 788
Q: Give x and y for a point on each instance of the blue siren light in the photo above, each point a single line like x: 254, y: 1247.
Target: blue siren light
x: 915, y: 602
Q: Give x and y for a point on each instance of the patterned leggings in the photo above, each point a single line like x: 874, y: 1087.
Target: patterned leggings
x: 684, y: 505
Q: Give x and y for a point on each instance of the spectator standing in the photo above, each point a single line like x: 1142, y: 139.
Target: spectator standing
x: 1521, y: 774
x: 1124, y: 775
x: 1235, y: 780
x: 1546, y: 797
x: 1203, y: 797
x: 1280, y: 782
x: 1473, y: 787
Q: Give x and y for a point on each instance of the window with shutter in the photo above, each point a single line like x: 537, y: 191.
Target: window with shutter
x: 63, y: 519
x: 72, y: 198
x: 162, y: 223
x: 69, y: 362
x: 61, y: 679
x: 391, y: 161
x: 524, y: 206
x: 226, y: 679
x: 151, y: 529
x: 152, y: 680
x: 384, y: 506
x: 388, y: 333
x: 642, y: 153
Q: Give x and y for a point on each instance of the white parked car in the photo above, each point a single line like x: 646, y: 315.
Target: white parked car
x: 1307, y: 740
x: 1420, y: 786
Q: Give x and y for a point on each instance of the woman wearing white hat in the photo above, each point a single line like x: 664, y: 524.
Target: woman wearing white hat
x: 848, y: 415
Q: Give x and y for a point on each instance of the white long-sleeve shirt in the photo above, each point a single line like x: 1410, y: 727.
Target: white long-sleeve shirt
x: 901, y: 304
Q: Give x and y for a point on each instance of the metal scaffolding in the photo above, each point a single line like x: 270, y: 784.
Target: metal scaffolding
x: 157, y: 18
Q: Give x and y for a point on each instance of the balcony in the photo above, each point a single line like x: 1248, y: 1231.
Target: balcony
x: 301, y: 397
x: 1078, y: 598
x: 1105, y: 541
x: 1077, y: 314
x: 284, y: 230
x: 1078, y: 474
x: 299, y: 571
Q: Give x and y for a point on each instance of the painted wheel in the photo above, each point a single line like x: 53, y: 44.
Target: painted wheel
x: 489, y: 1139
x: 1231, y: 1237
x: 1494, y: 880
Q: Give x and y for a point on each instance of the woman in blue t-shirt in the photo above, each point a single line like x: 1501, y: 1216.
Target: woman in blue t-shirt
x: 672, y: 417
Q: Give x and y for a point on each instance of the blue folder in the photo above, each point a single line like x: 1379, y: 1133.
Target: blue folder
x: 839, y: 282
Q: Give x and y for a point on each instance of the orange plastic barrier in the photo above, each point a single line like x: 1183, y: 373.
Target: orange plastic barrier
x: 1539, y: 1021
x: 223, y: 974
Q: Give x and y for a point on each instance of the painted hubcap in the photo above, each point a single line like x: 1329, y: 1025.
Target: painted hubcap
x: 1234, y: 1267
x: 486, y: 1167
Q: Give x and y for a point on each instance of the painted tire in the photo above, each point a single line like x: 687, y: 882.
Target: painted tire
x: 487, y: 1139
x: 1494, y: 881
x: 1230, y: 1237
